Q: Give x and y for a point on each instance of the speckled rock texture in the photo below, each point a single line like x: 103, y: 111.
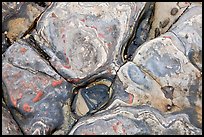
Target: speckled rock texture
x: 105, y: 68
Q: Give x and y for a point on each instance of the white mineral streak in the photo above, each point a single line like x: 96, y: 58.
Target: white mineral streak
x: 181, y: 77
x: 158, y: 123
x: 83, y: 25
x: 142, y: 86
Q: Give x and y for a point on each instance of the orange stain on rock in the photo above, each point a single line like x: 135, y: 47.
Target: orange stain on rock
x: 130, y: 96
x: 109, y: 44
x: 118, y: 127
x: 83, y: 20
x: 167, y: 37
x: 23, y: 50
x: 67, y: 59
x: 68, y: 67
x: 38, y: 96
x: 101, y: 35
x: 54, y: 15
x: 57, y: 82
x: 74, y: 80
x: 20, y: 95
x: 26, y: 107
x: 14, y: 101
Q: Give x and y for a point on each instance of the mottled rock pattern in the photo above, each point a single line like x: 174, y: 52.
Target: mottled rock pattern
x: 89, y: 37
x: 73, y: 74
x: 34, y: 92
x: 135, y: 121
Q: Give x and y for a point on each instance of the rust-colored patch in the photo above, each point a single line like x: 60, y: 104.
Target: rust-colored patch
x: 57, y: 82
x: 67, y: 60
x: 26, y: 107
x: 23, y: 50
x: 130, y: 96
x: 74, y: 80
x: 101, y: 35
x: 68, y: 67
x: 118, y: 127
x: 38, y: 96
x: 167, y: 37
x: 14, y: 101
x: 20, y: 95
x: 114, y: 128
x: 109, y: 29
x: 83, y: 20
x: 109, y: 44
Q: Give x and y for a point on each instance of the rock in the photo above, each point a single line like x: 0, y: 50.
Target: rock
x: 9, y: 125
x: 34, y: 92
x: 86, y: 39
x: 135, y: 121
x: 170, y: 67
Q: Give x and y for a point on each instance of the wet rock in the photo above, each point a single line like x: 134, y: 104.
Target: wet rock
x: 135, y: 121
x: 85, y: 39
x: 9, y: 125
x: 91, y: 98
x: 34, y: 92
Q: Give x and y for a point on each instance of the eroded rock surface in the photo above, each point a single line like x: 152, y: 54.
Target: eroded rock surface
x: 84, y: 39
x: 134, y: 121
x: 37, y: 94
x: 72, y: 68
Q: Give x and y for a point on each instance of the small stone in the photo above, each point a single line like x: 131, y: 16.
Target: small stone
x: 174, y: 11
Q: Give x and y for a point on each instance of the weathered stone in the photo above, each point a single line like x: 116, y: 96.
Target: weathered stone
x: 34, y: 92
x: 135, y: 121
x: 189, y: 31
x: 134, y: 87
x: 162, y: 60
x: 85, y: 39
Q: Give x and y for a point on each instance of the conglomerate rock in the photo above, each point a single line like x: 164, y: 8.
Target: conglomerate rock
x: 102, y: 68
x: 33, y: 91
